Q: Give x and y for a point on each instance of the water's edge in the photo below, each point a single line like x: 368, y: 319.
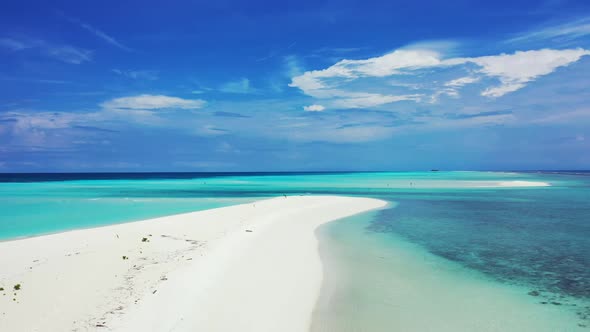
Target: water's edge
x: 381, y: 282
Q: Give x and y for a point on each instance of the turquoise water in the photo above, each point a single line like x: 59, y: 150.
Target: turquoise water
x: 28, y: 209
x: 33, y: 204
x: 382, y: 282
x: 528, y: 240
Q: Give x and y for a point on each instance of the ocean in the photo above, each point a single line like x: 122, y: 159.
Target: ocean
x: 477, y: 240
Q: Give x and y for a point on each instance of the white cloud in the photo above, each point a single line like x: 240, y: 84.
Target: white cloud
x: 451, y: 88
x: 360, y: 83
x: 386, y: 65
x: 42, y: 120
x: 459, y: 82
x: 451, y: 92
x: 314, y: 108
x: 42, y: 129
x: 57, y: 129
x: 152, y: 102
x: 515, y: 70
x: 501, y: 90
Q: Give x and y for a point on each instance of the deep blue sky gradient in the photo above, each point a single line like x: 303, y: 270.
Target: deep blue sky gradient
x: 61, y: 62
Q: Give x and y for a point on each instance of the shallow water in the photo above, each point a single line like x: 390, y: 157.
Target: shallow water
x: 443, y: 228
x: 33, y: 204
x: 382, y: 282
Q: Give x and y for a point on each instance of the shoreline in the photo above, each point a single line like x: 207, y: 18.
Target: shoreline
x: 180, y: 272
x: 128, y: 220
x: 32, y: 213
x: 382, y: 282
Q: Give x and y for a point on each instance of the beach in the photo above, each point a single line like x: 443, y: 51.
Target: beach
x: 436, y: 251
x: 255, y: 263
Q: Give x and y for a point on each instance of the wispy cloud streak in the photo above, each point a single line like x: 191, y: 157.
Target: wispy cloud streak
x: 64, y: 53
x: 568, y: 31
x: 97, y: 32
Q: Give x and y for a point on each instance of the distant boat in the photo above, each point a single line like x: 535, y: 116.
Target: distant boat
x: 434, y: 170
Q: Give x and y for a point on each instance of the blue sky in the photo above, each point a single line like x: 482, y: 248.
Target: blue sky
x: 317, y: 85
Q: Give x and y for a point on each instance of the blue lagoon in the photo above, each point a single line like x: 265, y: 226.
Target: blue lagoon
x: 485, y: 251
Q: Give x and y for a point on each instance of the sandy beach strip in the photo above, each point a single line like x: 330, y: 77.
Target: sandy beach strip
x: 249, y: 267
x: 506, y: 184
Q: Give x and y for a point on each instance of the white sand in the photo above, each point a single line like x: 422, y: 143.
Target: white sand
x: 200, y: 271
x: 523, y: 184
x: 506, y: 184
